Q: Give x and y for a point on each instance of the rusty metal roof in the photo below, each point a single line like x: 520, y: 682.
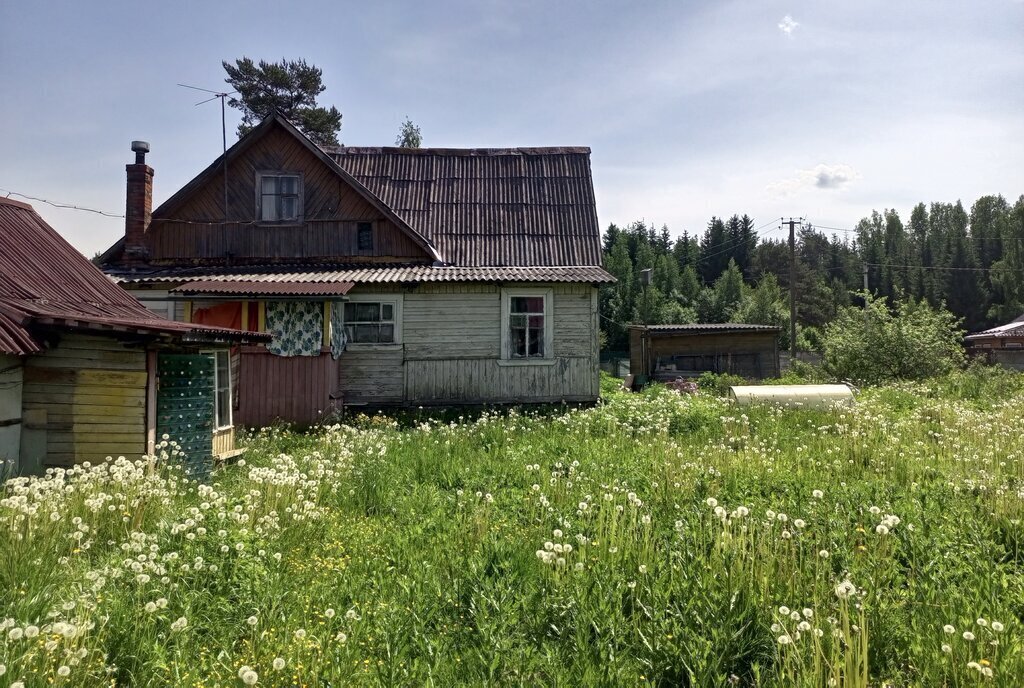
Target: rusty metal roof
x: 45, y: 283
x: 251, y: 287
x: 488, y: 206
x: 336, y: 275
x: 705, y: 328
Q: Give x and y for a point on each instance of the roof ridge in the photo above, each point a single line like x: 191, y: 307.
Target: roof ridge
x: 458, y: 152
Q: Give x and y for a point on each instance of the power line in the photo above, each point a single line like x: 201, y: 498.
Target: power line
x: 936, y: 267
x: 55, y: 204
x: 732, y: 247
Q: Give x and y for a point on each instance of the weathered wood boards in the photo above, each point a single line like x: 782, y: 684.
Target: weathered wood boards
x: 451, y: 351
x: 84, y: 400
x: 329, y: 229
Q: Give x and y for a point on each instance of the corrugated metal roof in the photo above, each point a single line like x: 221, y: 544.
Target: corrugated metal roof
x: 265, y: 288
x: 488, y: 206
x: 706, y: 328
x: 372, y: 275
x: 44, y: 282
x: 1014, y: 328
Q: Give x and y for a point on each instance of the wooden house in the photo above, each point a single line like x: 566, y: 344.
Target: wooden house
x: 667, y: 352
x: 1002, y: 345
x: 386, y: 276
x: 87, y: 372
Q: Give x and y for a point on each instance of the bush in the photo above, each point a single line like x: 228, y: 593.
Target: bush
x: 910, y: 341
x: 718, y: 383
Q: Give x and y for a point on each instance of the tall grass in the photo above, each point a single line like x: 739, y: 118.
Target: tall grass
x: 656, y: 539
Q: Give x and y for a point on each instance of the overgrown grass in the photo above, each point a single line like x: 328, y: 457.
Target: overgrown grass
x: 657, y: 539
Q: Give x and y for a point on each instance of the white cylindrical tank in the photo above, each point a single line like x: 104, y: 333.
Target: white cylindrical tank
x: 793, y: 396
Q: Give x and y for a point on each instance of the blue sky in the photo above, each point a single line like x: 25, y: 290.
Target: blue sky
x: 817, y: 108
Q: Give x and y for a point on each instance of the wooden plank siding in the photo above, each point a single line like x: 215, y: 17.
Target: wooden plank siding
x: 88, y: 395
x: 223, y: 441
x: 372, y: 377
x: 295, y: 388
x: 331, y: 210
x: 451, y: 351
x: 10, y: 409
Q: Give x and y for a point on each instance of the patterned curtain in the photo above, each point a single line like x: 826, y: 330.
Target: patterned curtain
x: 338, y: 337
x: 297, y: 327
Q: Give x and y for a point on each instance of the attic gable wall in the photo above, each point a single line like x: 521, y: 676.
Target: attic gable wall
x: 331, y: 209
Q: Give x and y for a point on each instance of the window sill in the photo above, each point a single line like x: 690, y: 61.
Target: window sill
x: 517, y: 362
x: 372, y: 347
x: 280, y: 223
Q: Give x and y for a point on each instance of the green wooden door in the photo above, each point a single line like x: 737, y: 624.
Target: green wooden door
x: 184, y: 408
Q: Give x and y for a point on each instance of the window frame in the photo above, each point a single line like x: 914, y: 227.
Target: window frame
x: 300, y: 196
x: 396, y: 302
x: 216, y: 354
x: 549, y: 326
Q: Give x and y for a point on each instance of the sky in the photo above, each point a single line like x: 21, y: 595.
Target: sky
x: 821, y: 109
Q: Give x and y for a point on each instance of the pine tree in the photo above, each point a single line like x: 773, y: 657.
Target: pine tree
x: 714, y: 250
x: 290, y: 87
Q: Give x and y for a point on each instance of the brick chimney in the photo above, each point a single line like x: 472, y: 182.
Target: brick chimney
x: 139, y: 206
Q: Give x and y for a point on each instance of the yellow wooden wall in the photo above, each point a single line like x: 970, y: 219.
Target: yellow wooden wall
x: 85, y: 400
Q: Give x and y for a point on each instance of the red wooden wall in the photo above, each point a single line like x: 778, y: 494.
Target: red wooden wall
x: 301, y: 386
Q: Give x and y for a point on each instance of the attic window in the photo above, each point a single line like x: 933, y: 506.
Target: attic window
x: 280, y: 197
x: 364, y: 236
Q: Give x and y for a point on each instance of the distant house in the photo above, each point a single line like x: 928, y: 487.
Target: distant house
x: 1003, y: 344
x: 667, y: 352
x: 386, y: 276
x: 80, y: 361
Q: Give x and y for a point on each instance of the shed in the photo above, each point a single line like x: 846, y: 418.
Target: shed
x: 1002, y: 345
x: 667, y: 352
x: 86, y: 371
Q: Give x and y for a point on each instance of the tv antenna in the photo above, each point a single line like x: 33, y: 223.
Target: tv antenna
x: 223, y: 132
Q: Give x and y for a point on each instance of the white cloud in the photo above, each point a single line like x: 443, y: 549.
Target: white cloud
x: 788, y: 25
x: 821, y: 176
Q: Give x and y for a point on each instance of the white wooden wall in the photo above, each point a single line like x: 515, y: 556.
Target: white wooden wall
x: 451, y: 348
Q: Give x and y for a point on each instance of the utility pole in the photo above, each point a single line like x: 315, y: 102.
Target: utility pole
x: 865, y: 278
x: 792, y: 285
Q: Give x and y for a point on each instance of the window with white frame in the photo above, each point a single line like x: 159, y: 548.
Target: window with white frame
x: 222, y: 388
x: 279, y: 197
x: 527, y: 325
x: 372, y: 320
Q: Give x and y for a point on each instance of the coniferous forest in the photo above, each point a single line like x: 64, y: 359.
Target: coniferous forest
x: 970, y: 261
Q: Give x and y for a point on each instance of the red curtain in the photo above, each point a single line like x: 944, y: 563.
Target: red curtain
x: 223, y: 315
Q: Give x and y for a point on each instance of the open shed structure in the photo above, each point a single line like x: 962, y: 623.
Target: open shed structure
x: 667, y: 352
x: 87, y: 371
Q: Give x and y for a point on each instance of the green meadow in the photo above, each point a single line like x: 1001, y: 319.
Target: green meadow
x: 656, y: 539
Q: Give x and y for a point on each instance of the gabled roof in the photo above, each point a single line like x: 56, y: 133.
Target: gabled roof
x: 168, y: 207
x: 468, y: 208
x: 1015, y: 328
x: 45, y: 283
x: 488, y: 206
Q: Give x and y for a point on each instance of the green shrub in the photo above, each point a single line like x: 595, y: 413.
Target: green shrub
x: 718, y: 383
x: 909, y: 341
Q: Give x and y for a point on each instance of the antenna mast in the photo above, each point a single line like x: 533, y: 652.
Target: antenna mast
x: 223, y: 134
